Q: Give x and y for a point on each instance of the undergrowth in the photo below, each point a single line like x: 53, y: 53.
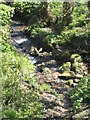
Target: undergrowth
x: 19, y: 100
x: 80, y: 95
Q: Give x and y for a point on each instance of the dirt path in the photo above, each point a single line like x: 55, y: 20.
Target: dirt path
x: 47, y: 72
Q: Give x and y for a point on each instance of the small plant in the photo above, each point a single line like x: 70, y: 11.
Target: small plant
x: 80, y: 93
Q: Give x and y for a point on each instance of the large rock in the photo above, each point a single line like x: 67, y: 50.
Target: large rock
x: 66, y: 66
x: 79, y: 76
x: 76, y: 58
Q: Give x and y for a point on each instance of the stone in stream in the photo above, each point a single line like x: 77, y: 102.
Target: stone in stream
x: 79, y: 76
x: 46, y: 70
x: 76, y: 57
x: 76, y: 80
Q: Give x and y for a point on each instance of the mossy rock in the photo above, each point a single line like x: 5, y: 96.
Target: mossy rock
x: 65, y: 74
x: 66, y: 66
x: 73, y: 56
x: 76, y: 58
x: 70, y: 82
x: 74, y: 65
x: 72, y: 73
x: 77, y: 67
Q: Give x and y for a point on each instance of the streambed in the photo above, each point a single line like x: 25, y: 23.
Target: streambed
x: 47, y: 72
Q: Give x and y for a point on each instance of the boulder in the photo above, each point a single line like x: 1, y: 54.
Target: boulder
x: 79, y: 76
x: 76, y: 80
x: 66, y: 66
x: 76, y: 58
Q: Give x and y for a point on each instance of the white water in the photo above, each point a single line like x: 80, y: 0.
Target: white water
x: 21, y: 42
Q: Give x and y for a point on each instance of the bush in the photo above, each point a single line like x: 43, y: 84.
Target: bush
x: 80, y: 93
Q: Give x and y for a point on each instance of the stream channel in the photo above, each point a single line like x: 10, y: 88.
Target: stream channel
x: 55, y: 109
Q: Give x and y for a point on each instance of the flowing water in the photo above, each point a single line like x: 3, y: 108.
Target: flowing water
x: 19, y: 40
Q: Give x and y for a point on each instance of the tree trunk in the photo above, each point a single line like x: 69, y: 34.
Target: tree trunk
x: 46, y: 12
x: 67, y: 12
x: 88, y: 5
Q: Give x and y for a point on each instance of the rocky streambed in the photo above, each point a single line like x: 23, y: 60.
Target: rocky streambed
x: 48, y: 73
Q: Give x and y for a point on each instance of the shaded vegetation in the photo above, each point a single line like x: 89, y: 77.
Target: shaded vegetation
x: 80, y: 95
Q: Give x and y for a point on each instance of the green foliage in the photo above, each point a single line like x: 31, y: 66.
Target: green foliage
x: 26, y: 9
x: 5, y: 14
x: 76, y: 34
x: 72, y: 35
x: 80, y: 93
x: 20, y: 100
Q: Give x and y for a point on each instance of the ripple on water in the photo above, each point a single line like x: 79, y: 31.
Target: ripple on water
x: 20, y: 41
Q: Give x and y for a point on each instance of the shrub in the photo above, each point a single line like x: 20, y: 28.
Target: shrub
x: 80, y: 93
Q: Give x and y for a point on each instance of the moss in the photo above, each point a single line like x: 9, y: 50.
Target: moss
x: 72, y: 73
x: 65, y: 74
x: 66, y: 66
x: 69, y: 82
x: 76, y: 58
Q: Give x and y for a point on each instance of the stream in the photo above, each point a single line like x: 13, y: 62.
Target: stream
x: 24, y: 45
x: 47, y: 72
x: 19, y: 40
